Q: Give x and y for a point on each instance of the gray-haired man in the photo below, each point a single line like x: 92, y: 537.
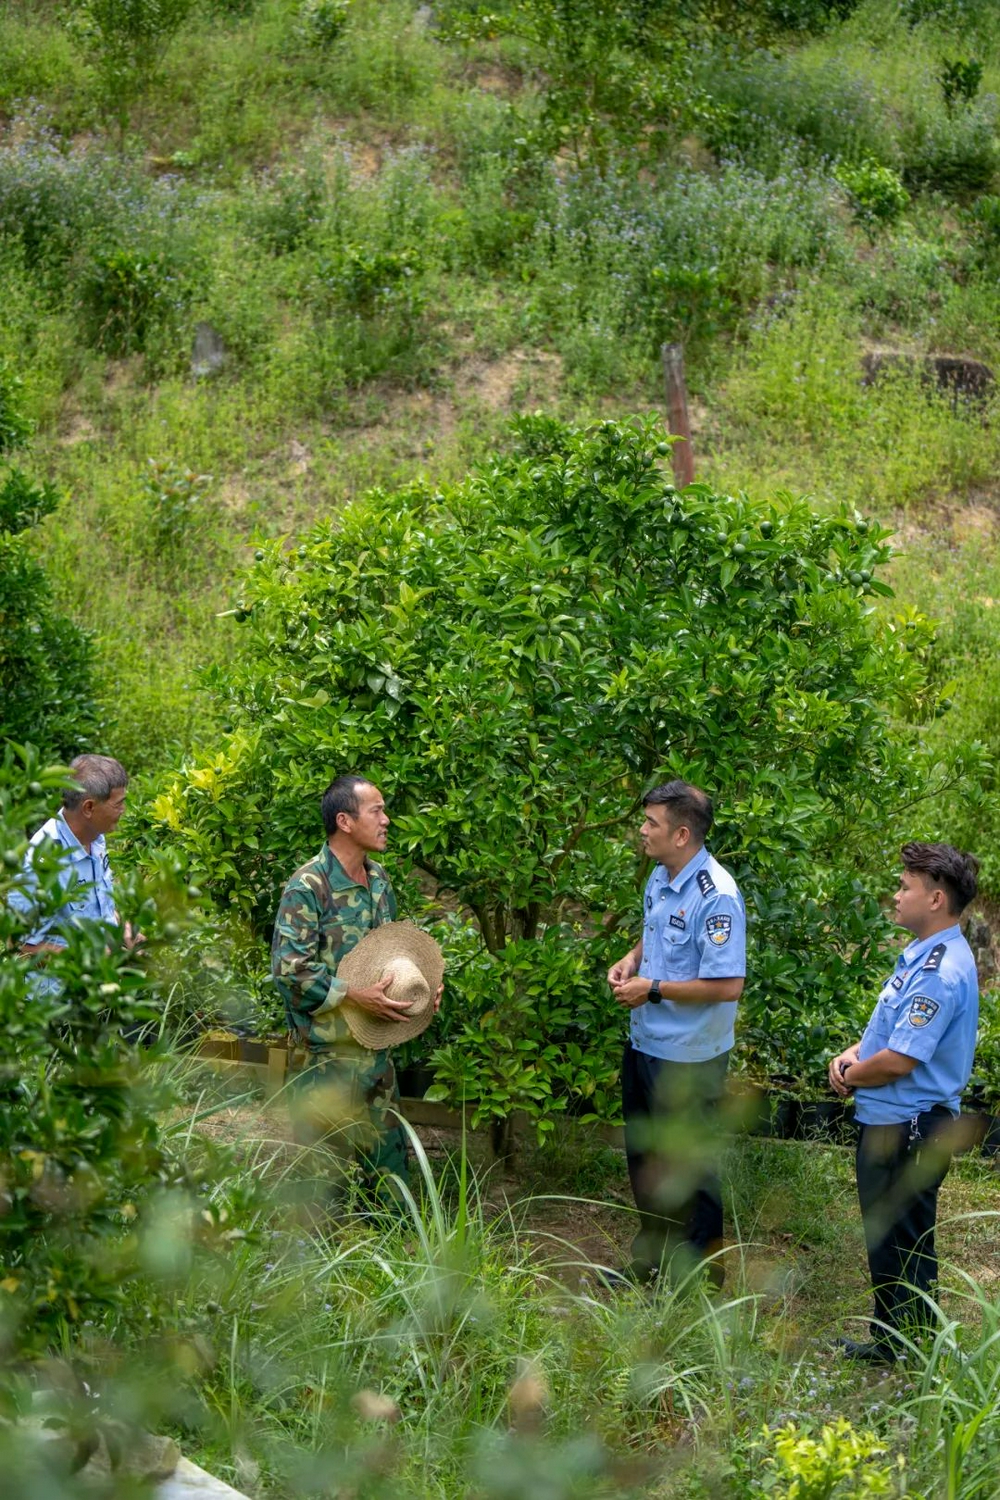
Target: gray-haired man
x: 91, y: 808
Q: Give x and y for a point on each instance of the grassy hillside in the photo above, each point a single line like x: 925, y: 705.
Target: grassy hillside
x: 403, y: 226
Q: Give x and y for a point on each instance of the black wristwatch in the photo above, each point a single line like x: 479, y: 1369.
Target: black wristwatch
x: 654, y: 997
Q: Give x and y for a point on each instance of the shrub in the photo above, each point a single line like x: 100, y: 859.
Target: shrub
x: 321, y: 22
x: 514, y: 660
x: 608, y: 72
x: 367, y: 306
x: 877, y: 195
x: 959, y: 81
x: 840, y: 1461
x: 128, y: 295
x: 176, y: 503
x: 126, y: 39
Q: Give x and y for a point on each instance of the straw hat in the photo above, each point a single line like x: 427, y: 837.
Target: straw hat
x: 416, y: 963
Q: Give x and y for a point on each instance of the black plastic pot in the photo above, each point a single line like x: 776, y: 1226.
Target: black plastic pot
x: 414, y: 1080
x: 822, y: 1120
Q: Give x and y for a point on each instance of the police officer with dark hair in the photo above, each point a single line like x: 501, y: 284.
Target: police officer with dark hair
x: 907, y: 1075
x: 680, y: 984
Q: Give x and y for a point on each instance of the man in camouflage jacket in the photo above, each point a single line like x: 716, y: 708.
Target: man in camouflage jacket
x: 343, y: 1094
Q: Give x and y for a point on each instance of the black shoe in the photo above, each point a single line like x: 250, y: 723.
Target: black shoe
x: 635, y: 1277
x: 610, y: 1280
x: 869, y: 1352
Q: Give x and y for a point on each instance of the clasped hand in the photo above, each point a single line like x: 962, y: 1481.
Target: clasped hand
x: 629, y: 989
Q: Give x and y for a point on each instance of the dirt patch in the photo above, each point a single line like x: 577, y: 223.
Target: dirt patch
x: 77, y: 429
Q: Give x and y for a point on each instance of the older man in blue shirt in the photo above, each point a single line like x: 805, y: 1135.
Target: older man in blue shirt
x: 907, y: 1075
x: 92, y: 806
x: 681, y: 983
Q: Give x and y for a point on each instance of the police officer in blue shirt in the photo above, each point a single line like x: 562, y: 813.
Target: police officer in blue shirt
x: 91, y: 808
x: 681, y: 983
x: 907, y: 1075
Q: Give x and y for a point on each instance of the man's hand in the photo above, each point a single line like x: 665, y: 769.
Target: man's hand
x: 836, y: 1071
x: 632, y: 992
x: 622, y: 970
x: 131, y: 938
x: 374, y: 999
x: 437, y: 998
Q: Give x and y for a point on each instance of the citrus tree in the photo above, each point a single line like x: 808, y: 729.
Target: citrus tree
x: 514, y: 660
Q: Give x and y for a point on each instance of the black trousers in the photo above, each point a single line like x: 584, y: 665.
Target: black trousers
x: 672, y: 1142
x: 900, y: 1169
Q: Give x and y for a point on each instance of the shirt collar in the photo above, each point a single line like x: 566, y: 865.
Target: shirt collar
x: 338, y: 876
x: 917, y: 949
x: 68, y: 839
x: 696, y: 863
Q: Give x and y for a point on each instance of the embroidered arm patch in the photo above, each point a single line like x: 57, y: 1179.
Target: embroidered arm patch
x: 719, y: 926
x: 922, y: 1010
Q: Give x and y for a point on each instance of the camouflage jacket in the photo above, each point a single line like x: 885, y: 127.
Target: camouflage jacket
x: 322, y: 914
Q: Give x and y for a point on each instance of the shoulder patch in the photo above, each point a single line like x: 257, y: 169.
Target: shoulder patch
x: 922, y: 1010
x: 719, y: 927
x: 934, y: 958
x: 705, y: 883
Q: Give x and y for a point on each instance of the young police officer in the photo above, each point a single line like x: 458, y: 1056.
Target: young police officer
x: 907, y: 1074
x: 681, y: 983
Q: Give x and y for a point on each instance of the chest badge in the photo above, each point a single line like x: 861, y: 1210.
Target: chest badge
x: 922, y: 1010
x: 897, y: 983
x: 677, y: 920
x: 719, y: 928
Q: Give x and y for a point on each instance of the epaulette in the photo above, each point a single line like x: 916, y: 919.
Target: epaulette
x: 705, y: 883
x: 934, y: 958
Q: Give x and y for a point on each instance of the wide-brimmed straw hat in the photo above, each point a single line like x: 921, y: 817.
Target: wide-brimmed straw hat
x: 416, y: 963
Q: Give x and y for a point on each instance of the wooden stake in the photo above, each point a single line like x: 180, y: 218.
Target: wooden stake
x: 677, y: 413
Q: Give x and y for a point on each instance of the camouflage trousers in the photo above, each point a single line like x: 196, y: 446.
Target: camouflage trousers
x: 343, y: 1102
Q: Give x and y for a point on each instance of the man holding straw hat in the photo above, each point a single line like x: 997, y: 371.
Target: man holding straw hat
x: 355, y: 983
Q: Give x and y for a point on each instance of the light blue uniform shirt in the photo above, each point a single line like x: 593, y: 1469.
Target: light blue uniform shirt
x: 86, y: 881
x: 928, y: 1009
x: 694, y: 927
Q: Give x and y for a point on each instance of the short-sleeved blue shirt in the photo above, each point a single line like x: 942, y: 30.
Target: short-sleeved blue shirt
x: 85, y: 877
x: 694, y: 927
x: 928, y: 1009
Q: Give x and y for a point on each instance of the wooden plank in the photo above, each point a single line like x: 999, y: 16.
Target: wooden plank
x: 277, y: 1064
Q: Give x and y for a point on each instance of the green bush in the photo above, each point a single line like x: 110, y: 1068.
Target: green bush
x: 129, y: 296
x: 126, y: 41
x: 513, y: 660
x: 877, y: 195
x: 321, y: 22
x: 609, y: 72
